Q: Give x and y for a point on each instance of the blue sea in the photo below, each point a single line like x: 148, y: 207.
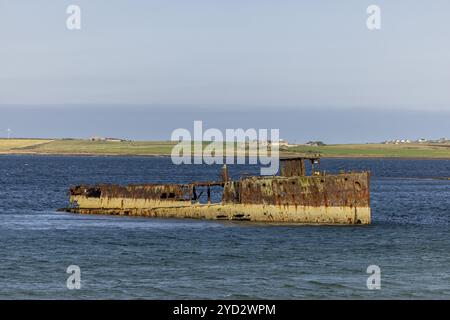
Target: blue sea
x: 149, y: 258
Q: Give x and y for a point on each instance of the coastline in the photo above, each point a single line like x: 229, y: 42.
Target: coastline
x: 166, y: 155
x: 79, y: 147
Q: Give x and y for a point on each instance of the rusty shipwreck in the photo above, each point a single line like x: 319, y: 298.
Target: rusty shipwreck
x: 291, y: 197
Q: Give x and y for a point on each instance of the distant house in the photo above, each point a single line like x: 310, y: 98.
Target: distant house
x: 266, y: 143
x: 280, y: 143
x: 290, y: 145
x: 95, y: 138
x: 315, y: 143
x: 114, y: 140
x: 283, y: 143
x: 397, y: 141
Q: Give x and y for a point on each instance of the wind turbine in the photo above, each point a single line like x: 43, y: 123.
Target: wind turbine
x: 9, y: 132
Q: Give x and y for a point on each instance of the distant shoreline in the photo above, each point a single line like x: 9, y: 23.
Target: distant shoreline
x: 94, y: 155
x: 77, y: 147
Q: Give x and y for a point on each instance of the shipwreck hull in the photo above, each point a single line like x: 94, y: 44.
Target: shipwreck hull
x: 240, y: 212
x: 316, y: 199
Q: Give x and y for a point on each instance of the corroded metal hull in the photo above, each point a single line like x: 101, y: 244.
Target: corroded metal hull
x: 317, y: 199
x: 238, y: 212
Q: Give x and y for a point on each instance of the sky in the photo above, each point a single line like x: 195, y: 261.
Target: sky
x: 139, y: 69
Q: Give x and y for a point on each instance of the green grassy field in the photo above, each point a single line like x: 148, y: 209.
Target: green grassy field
x: 7, y: 145
x: 37, y: 146
x: 379, y: 150
x: 98, y: 147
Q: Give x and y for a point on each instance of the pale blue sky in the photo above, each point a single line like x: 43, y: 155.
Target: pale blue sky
x: 225, y: 56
